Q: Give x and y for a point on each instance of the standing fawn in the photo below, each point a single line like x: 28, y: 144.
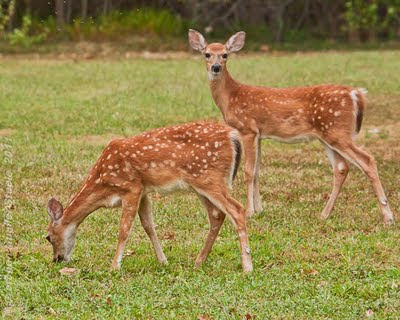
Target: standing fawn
x: 331, y: 113
x: 200, y: 156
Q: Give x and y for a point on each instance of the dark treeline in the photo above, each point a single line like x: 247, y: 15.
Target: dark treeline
x: 354, y: 20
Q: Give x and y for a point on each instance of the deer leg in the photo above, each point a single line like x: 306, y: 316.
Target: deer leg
x: 257, y: 197
x: 340, y: 170
x: 146, y: 218
x: 216, y: 218
x: 250, y: 143
x: 228, y: 205
x: 367, y: 163
x: 130, y: 204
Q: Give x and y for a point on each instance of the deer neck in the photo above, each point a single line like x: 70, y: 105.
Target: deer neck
x: 79, y: 208
x: 222, y: 89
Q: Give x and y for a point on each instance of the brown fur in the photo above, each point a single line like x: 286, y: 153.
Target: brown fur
x: 199, y: 156
x: 331, y: 113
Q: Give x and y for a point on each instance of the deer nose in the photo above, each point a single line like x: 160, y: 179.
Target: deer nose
x: 58, y: 258
x: 216, y: 68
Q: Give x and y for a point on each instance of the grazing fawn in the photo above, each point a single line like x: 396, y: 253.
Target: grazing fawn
x: 200, y: 156
x: 331, y: 113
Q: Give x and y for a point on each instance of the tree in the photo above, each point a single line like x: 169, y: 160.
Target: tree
x: 60, y: 13
x: 84, y: 9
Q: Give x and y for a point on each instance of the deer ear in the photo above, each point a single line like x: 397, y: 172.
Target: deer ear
x: 236, y: 42
x: 197, y: 40
x: 55, y: 209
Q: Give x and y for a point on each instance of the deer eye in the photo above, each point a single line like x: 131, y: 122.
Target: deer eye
x: 207, y: 55
x: 48, y: 238
x: 225, y: 56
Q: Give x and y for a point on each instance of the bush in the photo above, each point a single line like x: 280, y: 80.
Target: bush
x: 371, y: 18
x: 23, y: 36
x: 144, y: 21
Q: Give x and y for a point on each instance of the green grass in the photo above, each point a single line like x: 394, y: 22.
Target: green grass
x: 57, y: 115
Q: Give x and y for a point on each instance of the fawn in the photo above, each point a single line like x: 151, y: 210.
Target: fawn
x: 199, y: 156
x: 330, y: 113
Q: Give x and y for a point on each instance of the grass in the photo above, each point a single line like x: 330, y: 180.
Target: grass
x: 57, y: 115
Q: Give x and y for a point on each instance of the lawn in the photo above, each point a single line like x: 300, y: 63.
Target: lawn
x: 56, y: 116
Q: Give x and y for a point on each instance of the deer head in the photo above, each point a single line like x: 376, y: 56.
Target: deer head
x: 216, y: 54
x: 61, y: 237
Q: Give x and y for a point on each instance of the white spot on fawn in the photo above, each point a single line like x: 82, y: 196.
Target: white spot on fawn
x: 341, y: 167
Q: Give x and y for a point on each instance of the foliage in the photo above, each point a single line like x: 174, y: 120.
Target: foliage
x: 371, y: 16
x: 143, y: 21
x: 23, y: 35
x: 265, y: 20
x: 6, y: 14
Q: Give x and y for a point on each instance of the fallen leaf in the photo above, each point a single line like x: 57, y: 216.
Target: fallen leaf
x: 68, y: 271
x: 203, y: 317
x: 109, y: 302
x: 169, y: 235
x: 52, y: 311
x: 313, y: 272
x: 129, y: 253
x: 157, y: 196
x: 248, y: 316
x: 374, y: 130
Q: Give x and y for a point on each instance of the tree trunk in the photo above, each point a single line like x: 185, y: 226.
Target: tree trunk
x: 354, y: 36
x: 69, y: 10
x: 105, y: 6
x: 372, y: 35
x: 60, y: 13
x: 11, y: 14
x: 277, y: 10
x: 84, y: 7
